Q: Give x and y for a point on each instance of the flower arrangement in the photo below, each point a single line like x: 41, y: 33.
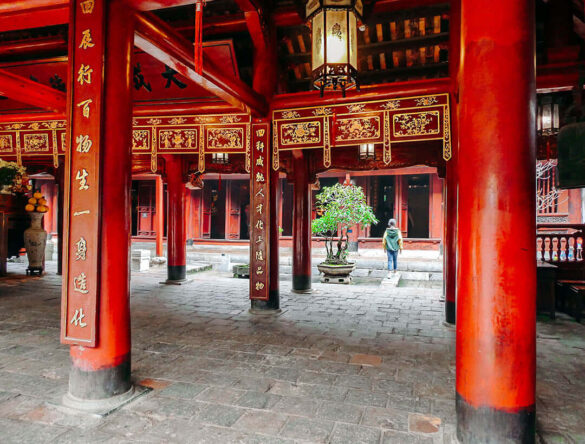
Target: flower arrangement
x: 13, y: 177
x: 37, y: 203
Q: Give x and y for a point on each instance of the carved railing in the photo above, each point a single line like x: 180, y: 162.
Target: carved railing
x: 560, y: 243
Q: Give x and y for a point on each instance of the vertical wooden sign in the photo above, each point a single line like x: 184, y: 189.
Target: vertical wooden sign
x: 83, y: 165
x: 260, y: 212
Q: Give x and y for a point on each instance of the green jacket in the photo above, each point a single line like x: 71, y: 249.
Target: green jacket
x: 392, y: 239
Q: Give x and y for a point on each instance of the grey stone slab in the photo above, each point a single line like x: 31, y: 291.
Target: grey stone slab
x: 269, y: 423
x: 367, y: 398
x: 386, y: 418
x: 338, y: 411
x: 297, y: 406
x: 257, y: 400
x: 307, y: 429
x: 182, y: 390
x: 354, y: 434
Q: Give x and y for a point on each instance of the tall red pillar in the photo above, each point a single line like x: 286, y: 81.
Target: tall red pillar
x: 301, y: 266
x: 451, y: 186
x: 60, y: 176
x: 100, y: 372
x: 176, y: 230
x: 496, y: 313
x: 159, y: 215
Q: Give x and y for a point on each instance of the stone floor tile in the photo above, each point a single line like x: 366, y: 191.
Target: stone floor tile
x: 386, y: 418
x: 367, y: 397
x: 216, y: 414
x: 423, y: 424
x: 257, y: 400
x: 307, y: 429
x: 297, y: 406
x: 182, y: 390
x: 337, y: 411
x: 354, y: 434
x: 257, y: 421
x: 222, y: 395
x: 394, y: 437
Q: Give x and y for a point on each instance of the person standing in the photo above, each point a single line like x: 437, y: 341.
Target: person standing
x: 392, y: 242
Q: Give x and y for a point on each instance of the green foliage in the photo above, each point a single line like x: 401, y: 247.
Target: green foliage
x: 341, y: 207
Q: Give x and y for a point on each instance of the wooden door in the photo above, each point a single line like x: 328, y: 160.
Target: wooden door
x: 146, y: 208
x: 233, y: 209
x: 206, y: 212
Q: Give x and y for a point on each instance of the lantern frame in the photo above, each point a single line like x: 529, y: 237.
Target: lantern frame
x: 328, y: 74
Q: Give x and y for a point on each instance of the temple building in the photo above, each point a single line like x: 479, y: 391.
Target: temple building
x: 217, y: 123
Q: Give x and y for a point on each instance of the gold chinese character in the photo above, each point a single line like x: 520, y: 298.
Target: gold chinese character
x: 259, y: 285
x: 86, y: 40
x: 79, y: 213
x: 81, y: 249
x: 85, y: 104
x: 260, y: 225
x: 78, y: 318
x: 84, y: 74
x: 259, y: 256
x: 260, y: 146
x: 259, y: 177
x: 260, y: 161
x: 260, y: 132
x: 81, y: 177
x: 259, y: 208
x: 83, y: 143
x: 87, y: 6
x: 259, y: 270
x: 260, y: 193
x: 80, y: 283
x: 259, y: 239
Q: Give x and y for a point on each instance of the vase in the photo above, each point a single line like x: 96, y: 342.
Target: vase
x: 35, y: 241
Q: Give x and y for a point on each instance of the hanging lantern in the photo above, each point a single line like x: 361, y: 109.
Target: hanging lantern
x: 367, y: 151
x: 548, y: 119
x: 334, y: 39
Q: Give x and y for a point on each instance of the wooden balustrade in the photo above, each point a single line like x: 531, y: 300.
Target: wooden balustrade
x: 560, y: 243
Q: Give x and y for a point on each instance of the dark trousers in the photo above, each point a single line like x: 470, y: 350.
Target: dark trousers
x: 392, y: 258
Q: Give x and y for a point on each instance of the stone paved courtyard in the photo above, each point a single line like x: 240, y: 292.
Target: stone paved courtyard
x: 346, y: 364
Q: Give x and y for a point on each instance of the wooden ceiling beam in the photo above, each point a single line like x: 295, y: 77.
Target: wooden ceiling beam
x: 18, y: 15
x: 32, y: 93
x: 158, y: 39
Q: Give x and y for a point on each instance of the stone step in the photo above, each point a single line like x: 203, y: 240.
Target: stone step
x: 198, y: 267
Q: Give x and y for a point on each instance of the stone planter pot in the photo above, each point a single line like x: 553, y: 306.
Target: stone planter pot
x: 336, y: 274
x: 35, y: 241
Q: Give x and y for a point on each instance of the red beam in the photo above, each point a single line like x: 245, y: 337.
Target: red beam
x: 15, y: 15
x: 370, y: 92
x: 33, y: 46
x: 30, y: 92
x: 398, y: 5
x: 159, y: 40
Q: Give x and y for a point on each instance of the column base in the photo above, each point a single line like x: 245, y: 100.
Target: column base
x: 271, y: 306
x: 176, y: 272
x: 450, y: 312
x: 176, y: 282
x: 301, y: 284
x: 102, y: 407
x: 485, y: 425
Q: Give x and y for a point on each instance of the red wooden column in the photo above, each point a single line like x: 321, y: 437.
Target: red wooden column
x: 264, y: 289
x: 60, y: 179
x: 450, y: 196
x: 95, y: 302
x: 496, y: 313
x: 301, y: 266
x: 176, y: 230
x: 159, y: 216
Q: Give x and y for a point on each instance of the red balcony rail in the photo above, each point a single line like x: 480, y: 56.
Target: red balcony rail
x: 560, y: 243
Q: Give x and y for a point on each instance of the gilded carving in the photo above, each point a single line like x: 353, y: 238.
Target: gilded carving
x: 230, y: 119
x: 177, y: 120
x: 36, y: 143
x: 225, y: 138
x: 391, y: 105
x: 5, y: 143
x: 358, y: 128
x: 322, y: 111
x: 416, y: 124
x: 300, y: 133
x: 356, y: 108
x: 140, y: 140
x: 290, y: 115
x: 177, y: 139
x: 426, y: 101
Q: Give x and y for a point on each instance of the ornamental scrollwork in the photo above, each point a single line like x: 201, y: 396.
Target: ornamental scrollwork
x: 140, y: 140
x: 356, y: 108
x: 300, y: 133
x: 416, y: 124
x: 177, y: 120
x: 358, y: 128
x: 391, y: 105
x: 290, y: 115
x: 36, y: 142
x: 322, y: 111
x: 426, y: 101
x: 225, y: 138
x: 178, y: 139
x: 5, y: 143
x: 230, y: 119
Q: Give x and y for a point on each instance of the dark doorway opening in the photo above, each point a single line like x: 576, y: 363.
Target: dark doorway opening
x: 418, y: 206
x: 383, y: 189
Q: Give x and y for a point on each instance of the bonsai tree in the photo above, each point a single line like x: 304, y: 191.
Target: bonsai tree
x: 340, y: 207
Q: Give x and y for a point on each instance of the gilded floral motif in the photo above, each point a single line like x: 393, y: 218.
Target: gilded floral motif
x: 154, y: 121
x: 322, y: 111
x: 416, y: 124
x: 178, y: 139
x: 177, y: 120
x: 230, y: 119
x: 5, y: 143
x: 356, y: 108
x: 290, y: 115
x: 36, y: 142
x: 300, y: 133
x: 225, y: 138
x: 140, y: 140
x: 426, y: 101
x: 391, y: 105
x: 358, y: 128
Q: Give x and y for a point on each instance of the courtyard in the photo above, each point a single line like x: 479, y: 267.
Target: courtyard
x: 346, y: 364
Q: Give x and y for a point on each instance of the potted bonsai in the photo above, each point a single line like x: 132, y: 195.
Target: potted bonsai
x: 340, y: 208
